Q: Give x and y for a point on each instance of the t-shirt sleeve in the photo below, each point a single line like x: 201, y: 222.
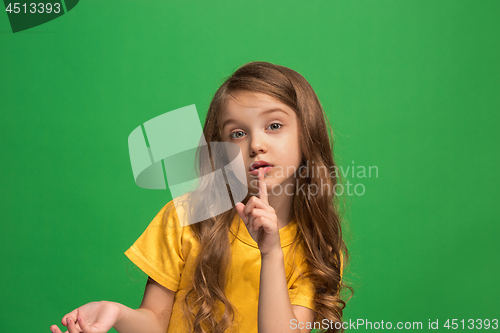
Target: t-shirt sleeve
x: 302, y: 290
x: 158, y: 251
x: 341, y: 266
x: 302, y: 293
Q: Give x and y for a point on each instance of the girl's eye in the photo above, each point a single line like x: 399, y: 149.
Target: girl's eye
x: 240, y: 134
x: 275, y: 126
x: 237, y: 135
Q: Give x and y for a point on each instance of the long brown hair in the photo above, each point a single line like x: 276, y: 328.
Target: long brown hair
x: 317, y: 216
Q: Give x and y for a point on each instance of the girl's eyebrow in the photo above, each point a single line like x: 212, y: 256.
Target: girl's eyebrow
x: 262, y: 113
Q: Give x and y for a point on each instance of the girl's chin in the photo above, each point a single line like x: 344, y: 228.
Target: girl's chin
x: 254, y: 183
x: 255, y: 191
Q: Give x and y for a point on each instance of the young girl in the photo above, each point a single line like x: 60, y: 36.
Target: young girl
x: 272, y: 263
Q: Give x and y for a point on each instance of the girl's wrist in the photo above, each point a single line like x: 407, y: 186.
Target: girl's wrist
x: 120, y: 311
x: 278, y: 253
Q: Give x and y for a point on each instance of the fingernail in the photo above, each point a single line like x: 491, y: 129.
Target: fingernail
x: 67, y: 321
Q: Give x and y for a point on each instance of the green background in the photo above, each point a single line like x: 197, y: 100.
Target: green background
x: 411, y: 87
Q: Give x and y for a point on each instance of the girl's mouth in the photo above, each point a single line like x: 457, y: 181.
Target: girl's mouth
x: 256, y: 171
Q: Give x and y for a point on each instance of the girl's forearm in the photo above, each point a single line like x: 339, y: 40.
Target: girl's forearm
x: 275, y: 310
x: 137, y: 321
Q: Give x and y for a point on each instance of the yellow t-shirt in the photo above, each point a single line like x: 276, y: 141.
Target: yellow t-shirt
x: 167, y: 253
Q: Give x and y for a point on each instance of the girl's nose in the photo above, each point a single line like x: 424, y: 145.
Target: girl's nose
x: 257, y: 146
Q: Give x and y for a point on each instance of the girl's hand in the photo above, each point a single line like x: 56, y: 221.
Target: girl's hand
x: 261, y: 220
x: 93, y: 317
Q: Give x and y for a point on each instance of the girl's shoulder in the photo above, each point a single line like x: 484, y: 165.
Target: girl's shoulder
x: 166, y: 233
x: 184, y: 211
x: 176, y: 213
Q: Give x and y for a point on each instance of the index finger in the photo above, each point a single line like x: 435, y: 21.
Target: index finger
x: 262, y: 187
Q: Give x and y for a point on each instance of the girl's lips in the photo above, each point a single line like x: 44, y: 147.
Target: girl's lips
x: 256, y: 171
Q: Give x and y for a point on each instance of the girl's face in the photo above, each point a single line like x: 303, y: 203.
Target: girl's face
x: 267, y: 131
